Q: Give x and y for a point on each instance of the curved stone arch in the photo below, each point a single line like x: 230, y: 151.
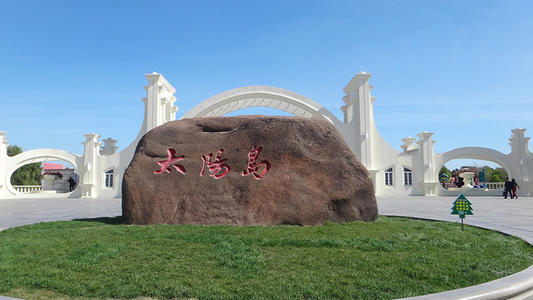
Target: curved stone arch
x: 35, y: 156
x: 480, y: 153
x: 261, y: 96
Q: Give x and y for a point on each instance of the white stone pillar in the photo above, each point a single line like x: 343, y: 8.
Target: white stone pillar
x: 358, y: 115
x: 159, y: 103
x: 3, y: 161
x: 520, y: 154
x: 89, y: 173
x: 426, y: 157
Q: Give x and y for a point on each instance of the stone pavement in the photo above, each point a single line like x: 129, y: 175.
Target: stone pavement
x: 489, y: 212
x: 18, y: 212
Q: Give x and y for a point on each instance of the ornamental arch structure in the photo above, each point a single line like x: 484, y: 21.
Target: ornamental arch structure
x: 410, y: 171
x: 261, y: 96
x: 478, y: 153
x: 40, y: 155
x: 11, y: 164
x: 518, y: 163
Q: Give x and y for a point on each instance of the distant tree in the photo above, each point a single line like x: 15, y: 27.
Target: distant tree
x: 445, y: 171
x: 13, y: 150
x: 495, y: 175
x: 499, y: 175
x: 29, y: 174
x: 491, y: 175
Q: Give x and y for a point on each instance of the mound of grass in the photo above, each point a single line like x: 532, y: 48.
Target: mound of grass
x: 389, y: 258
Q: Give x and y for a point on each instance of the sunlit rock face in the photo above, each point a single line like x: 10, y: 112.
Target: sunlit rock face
x: 247, y: 170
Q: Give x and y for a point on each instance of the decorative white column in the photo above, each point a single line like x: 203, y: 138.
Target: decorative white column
x: 3, y: 159
x: 89, y: 174
x: 520, y: 154
x: 426, y: 157
x: 358, y: 115
x: 159, y: 103
x: 408, y: 144
x: 109, y: 147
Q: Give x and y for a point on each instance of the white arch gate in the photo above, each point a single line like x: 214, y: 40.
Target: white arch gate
x: 33, y: 156
x: 480, y: 153
x: 476, y: 153
x: 262, y: 96
x: 413, y: 171
x: 39, y: 155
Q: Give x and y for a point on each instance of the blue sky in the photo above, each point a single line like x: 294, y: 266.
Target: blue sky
x: 460, y: 69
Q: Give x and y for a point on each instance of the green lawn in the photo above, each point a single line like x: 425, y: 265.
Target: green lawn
x: 389, y: 258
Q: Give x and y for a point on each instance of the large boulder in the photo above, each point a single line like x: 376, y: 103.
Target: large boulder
x: 247, y: 170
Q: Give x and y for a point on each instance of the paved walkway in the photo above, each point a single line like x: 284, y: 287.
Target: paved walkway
x: 17, y: 212
x: 490, y: 212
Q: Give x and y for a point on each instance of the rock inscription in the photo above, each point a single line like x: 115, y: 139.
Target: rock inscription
x: 266, y: 171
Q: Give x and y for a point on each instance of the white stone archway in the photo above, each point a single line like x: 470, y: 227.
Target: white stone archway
x: 479, y: 153
x: 40, y: 155
x: 34, y: 156
x: 261, y: 96
x: 358, y: 129
x: 475, y: 153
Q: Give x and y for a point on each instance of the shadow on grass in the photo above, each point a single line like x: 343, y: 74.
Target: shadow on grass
x: 118, y: 220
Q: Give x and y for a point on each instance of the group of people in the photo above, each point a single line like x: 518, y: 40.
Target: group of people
x: 510, y: 188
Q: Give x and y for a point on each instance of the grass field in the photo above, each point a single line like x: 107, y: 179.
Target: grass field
x: 389, y: 258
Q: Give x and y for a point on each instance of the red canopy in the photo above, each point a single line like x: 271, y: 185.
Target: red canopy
x: 51, y: 166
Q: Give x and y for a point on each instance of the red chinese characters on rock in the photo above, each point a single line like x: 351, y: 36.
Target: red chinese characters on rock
x: 217, y: 168
x: 165, y: 164
x: 253, y: 167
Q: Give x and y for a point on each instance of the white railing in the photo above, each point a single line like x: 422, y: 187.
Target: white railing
x: 26, y: 189
x: 495, y: 185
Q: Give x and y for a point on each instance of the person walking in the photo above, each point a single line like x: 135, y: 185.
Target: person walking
x: 508, y: 188
x: 71, y: 183
x: 515, y: 186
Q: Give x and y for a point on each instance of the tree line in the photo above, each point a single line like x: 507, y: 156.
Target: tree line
x: 29, y: 174
x: 492, y: 175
